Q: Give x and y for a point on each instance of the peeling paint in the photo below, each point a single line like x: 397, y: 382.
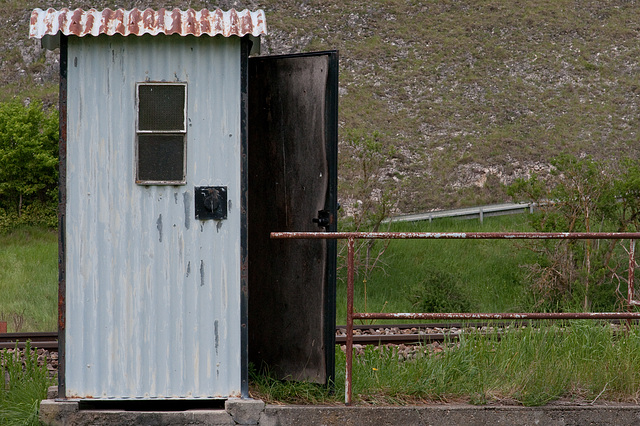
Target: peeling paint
x: 201, y: 273
x: 186, y: 199
x: 216, y: 335
x: 159, y: 226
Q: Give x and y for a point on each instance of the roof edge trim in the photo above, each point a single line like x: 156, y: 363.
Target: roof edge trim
x: 92, y: 22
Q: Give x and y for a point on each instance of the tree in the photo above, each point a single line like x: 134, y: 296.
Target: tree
x: 374, y: 201
x: 28, y: 155
x: 584, y: 195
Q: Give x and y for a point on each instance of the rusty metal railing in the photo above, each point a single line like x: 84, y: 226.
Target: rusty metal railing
x: 351, y: 316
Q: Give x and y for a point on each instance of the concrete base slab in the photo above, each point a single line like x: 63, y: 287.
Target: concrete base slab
x: 237, y: 412
x: 451, y: 415
x: 252, y: 412
x: 244, y: 411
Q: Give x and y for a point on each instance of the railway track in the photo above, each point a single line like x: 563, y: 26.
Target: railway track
x: 413, y: 334
x: 363, y: 335
x: 367, y: 334
x: 41, y: 340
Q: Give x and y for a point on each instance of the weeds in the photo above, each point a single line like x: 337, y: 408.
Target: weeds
x: 581, y: 361
x: 25, y: 385
x: 267, y: 387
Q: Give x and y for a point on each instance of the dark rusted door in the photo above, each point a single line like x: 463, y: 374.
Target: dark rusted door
x: 292, y: 175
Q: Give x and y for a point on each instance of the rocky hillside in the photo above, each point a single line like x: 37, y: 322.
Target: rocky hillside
x: 442, y: 101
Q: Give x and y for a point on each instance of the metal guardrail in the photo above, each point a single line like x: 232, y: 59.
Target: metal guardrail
x: 351, y: 316
x: 465, y: 213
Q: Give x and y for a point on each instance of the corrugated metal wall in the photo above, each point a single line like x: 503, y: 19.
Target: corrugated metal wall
x: 152, y: 295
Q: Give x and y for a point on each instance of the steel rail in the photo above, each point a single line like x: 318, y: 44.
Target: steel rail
x: 351, y: 316
x: 42, y: 340
x: 395, y: 339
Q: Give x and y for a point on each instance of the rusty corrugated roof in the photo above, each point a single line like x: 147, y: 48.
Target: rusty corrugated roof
x: 138, y: 22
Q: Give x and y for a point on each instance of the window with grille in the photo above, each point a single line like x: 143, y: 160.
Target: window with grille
x: 161, y: 133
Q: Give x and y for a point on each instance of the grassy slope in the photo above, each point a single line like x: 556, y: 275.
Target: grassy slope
x: 472, y: 92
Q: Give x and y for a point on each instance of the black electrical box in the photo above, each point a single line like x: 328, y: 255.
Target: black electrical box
x: 211, y: 202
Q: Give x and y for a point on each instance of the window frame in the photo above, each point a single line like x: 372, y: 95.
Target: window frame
x: 178, y: 132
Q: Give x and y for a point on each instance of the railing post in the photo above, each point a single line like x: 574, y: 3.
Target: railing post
x: 349, y: 344
x: 630, y: 279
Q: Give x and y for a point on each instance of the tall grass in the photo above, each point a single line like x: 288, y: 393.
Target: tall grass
x: 582, y: 361
x: 25, y: 384
x: 530, y: 366
x: 28, y: 279
x: 487, y: 272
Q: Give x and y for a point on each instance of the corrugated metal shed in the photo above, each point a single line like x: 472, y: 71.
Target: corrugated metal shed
x: 151, y: 299
x: 138, y: 22
x: 153, y: 295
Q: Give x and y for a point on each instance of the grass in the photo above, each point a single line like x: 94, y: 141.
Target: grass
x: 586, y: 362
x: 486, y: 272
x: 581, y: 362
x: 29, y: 279
x: 25, y: 386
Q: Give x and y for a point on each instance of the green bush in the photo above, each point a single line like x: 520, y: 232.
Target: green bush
x: 440, y: 292
x: 36, y: 214
x: 28, y: 163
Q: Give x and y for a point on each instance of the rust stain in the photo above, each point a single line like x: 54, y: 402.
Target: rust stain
x: 192, y: 26
x: 75, y: 26
x: 133, y: 24
x: 160, y: 19
x: 61, y: 307
x: 118, y: 20
x: 218, y: 21
x: 205, y: 24
x: 499, y: 316
x: 89, y: 24
x: 176, y: 24
x: 149, y: 20
x: 138, y: 22
x: 233, y: 21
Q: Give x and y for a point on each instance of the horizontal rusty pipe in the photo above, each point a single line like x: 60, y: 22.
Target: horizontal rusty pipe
x: 498, y: 316
x: 351, y: 236
x: 459, y: 235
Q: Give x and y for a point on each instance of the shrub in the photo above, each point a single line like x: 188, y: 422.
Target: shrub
x: 440, y: 292
x: 28, y: 161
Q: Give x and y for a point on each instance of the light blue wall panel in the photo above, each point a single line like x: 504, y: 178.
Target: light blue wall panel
x: 152, y: 294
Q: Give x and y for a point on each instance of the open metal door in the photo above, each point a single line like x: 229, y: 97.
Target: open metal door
x: 292, y: 173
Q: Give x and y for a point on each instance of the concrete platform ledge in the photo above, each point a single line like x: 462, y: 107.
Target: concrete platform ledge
x: 236, y: 412
x: 252, y: 412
